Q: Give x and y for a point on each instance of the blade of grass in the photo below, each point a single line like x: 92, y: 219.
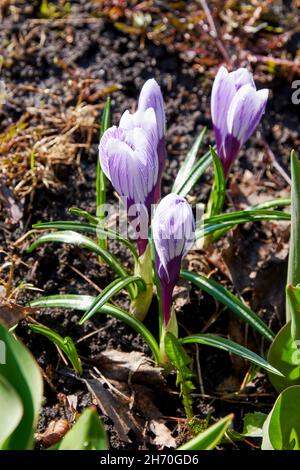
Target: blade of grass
x: 231, y: 301
x: 188, y: 163
x: 111, y: 290
x: 84, y: 302
x: 74, y: 238
x: 231, y: 347
x: 65, y: 344
x: 88, y: 228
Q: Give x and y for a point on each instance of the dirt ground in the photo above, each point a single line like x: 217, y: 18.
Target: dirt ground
x: 59, y: 63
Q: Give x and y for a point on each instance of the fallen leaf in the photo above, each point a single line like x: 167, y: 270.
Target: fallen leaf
x: 117, y: 409
x: 11, y: 314
x: 55, y: 432
x: 163, y: 436
x: 133, y: 366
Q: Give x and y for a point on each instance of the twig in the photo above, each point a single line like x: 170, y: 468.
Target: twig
x: 214, y: 32
x: 275, y: 163
x: 86, y: 279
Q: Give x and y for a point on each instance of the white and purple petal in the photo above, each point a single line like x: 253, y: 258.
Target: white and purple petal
x: 245, y: 112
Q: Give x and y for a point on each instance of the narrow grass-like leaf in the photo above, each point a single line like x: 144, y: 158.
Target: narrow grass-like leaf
x: 84, y: 302
x: 231, y: 347
x: 293, y: 276
x: 195, y: 174
x: 186, y: 167
x: 74, y: 238
x: 217, y: 196
x: 65, y: 344
x: 88, y: 228
x: 23, y: 374
x: 84, y: 214
x: 271, y: 203
x: 101, y: 182
x: 229, y: 220
x: 88, y: 433
x: 110, y: 291
x: 181, y: 360
x: 210, y: 438
x: 231, y: 301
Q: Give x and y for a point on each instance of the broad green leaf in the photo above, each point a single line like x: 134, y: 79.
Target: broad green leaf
x: 253, y: 424
x: 281, y: 430
x: 293, y: 300
x: 110, y: 291
x: 293, y: 276
x: 284, y: 354
x: 87, y: 433
x: 65, y: 344
x: 74, y: 238
x: 216, y: 201
x: 195, y: 174
x: 231, y: 301
x: 180, y: 360
x: 210, y: 438
x: 23, y: 374
x: 231, y: 347
x: 186, y: 168
x: 84, y: 302
x: 11, y: 410
x: 88, y: 228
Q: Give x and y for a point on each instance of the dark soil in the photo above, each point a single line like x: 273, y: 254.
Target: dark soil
x: 98, y: 51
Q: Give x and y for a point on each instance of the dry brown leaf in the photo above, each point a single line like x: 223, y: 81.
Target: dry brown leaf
x: 55, y: 432
x: 133, y: 366
x: 11, y: 314
x: 117, y: 409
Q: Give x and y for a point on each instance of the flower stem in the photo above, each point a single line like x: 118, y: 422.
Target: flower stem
x: 140, y: 305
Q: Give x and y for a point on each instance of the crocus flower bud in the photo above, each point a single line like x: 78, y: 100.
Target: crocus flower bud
x: 128, y: 158
x: 173, y: 231
x: 236, y: 108
x: 151, y: 97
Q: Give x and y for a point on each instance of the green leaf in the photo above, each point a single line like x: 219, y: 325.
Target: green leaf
x: 225, y: 222
x: 186, y: 168
x: 74, y: 238
x: 218, y: 191
x: 231, y: 347
x: 110, y: 291
x: 210, y: 438
x: 78, y: 212
x: 23, y: 374
x: 253, y: 424
x: 65, y: 344
x: 284, y: 354
x: 281, y: 430
x: 195, y: 174
x: 293, y: 276
x: 11, y: 410
x: 293, y: 300
x: 269, y: 204
x: 87, y: 433
x: 231, y: 301
x: 88, y: 228
x: 84, y: 302
x: 180, y: 360
x: 101, y: 182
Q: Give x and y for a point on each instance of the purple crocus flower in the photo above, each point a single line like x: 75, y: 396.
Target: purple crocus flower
x: 151, y: 97
x: 128, y: 158
x: 236, y: 109
x: 173, y: 231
